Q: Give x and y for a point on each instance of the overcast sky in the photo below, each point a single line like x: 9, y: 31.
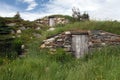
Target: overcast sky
x: 34, y: 9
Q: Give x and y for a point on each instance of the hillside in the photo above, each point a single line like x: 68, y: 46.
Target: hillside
x: 42, y: 64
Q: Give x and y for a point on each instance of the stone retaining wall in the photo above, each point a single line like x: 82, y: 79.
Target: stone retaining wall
x: 97, y: 38
x: 57, y: 20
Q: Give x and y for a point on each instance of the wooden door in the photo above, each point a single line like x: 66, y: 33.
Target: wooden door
x: 51, y: 22
x: 79, y: 45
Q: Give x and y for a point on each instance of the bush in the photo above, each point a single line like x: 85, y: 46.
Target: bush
x: 17, y: 46
x: 1, y: 61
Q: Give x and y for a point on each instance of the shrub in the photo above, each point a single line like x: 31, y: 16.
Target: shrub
x: 17, y: 46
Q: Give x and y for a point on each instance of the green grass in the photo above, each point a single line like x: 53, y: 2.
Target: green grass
x: 40, y: 64
x: 109, y: 26
x: 102, y: 65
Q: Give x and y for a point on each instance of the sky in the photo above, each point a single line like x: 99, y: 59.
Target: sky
x: 34, y: 9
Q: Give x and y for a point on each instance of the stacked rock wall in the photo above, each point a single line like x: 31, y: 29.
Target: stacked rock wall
x: 97, y: 38
x: 57, y: 20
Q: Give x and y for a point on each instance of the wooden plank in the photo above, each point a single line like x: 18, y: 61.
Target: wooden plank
x: 79, y: 45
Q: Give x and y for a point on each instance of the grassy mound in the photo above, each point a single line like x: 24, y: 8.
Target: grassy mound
x: 39, y: 64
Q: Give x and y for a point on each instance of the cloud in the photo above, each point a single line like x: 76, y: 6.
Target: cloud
x: 31, y: 4
x: 32, y: 16
x: 67, y: 5
x: 10, y: 11
x: 109, y: 10
x: 7, y: 10
x: 97, y: 9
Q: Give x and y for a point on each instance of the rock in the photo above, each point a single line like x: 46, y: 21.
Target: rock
x: 52, y: 50
x: 90, y: 43
x: 59, y: 40
x: 22, y: 46
x: 103, y: 44
x: 49, y: 47
x: 11, y: 24
x: 89, y: 32
x: 22, y: 28
x: 51, y: 29
x: 19, y: 31
x: 96, y: 41
x: 67, y: 32
x: 13, y: 36
x: 42, y: 46
x: 38, y: 28
x: 67, y: 46
x: 31, y: 37
x: 67, y: 49
x: 50, y: 40
x: 56, y: 37
x: 12, y: 32
x: 102, y: 33
x: 63, y: 22
x: 28, y: 28
x: 46, y: 42
x: 36, y: 35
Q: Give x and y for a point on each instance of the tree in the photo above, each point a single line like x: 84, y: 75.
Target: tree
x: 76, y: 14
x: 17, y: 16
x: 85, y: 16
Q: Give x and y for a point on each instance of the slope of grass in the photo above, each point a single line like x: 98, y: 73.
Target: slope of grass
x: 113, y: 27
x: 40, y: 64
x: 102, y: 65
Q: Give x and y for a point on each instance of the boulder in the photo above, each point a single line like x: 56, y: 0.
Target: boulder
x: 67, y: 32
x: 51, y: 29
x: 22, y: 28
x: 36, y: 35
x: 23, y: 46
x: 11, y: 24
x: 19, y: 31
x: 42, y: 46
x: 38, y: 28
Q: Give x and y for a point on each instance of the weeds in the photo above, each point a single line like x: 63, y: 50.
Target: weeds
x: 39, y: 64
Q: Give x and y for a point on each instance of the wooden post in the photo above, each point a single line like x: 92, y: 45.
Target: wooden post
x: 80, y: 44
